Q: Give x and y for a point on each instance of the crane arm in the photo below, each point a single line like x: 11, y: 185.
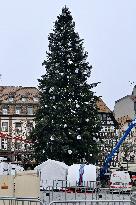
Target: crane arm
x: 116, y: 148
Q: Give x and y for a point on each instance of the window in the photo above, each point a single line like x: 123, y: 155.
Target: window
x: 18, y: 110
x: 24, y: 99
x: 18, y: 124
x: 5, y: 126
x: 104, y: 117
x: 29, y: 127
x: 30, y: 110
x: 3, y: 144
x: 5, y: 110
x: 132, y: 158
x: 35, y: 99
x: 18, y: 127
x: 100, y: 116
x: 11, y: 98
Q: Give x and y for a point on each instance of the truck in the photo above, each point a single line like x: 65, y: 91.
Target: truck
x: 120, y: 181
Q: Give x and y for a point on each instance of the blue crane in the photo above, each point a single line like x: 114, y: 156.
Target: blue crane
x: 106, y: 164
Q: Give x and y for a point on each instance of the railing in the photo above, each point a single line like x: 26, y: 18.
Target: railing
x: 91, y: 202
x: 19, y: 201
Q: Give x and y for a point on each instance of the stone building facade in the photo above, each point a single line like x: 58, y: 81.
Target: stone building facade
x: 17, y: 111
x: 125, y: 112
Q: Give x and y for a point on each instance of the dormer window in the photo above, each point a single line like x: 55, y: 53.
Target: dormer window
x: 35, y: 99
x: 11, y: 98
x: 24, y: 99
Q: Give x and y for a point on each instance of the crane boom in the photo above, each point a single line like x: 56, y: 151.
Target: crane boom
x: 106, y: 164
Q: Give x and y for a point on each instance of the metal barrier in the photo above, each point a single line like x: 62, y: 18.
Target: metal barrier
x: 100, y: 194
x: 91, y: 202
x: 19, y: 201
x: 133, y: 199
x: 91, y: 194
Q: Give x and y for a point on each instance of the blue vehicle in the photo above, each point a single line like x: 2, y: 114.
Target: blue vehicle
x: 108, y: 160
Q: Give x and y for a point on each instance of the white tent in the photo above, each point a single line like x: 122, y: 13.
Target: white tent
x: 14, y: 168
x: 4, y: 168
x: 52, y: 173
x: 9, y: 168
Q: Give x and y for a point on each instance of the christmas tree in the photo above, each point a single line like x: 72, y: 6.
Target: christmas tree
x: 67, y: 122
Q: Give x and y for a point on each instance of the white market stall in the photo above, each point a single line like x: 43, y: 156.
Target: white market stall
x: 7, y: 168
x: 82, y: 175
x: 52, y: 174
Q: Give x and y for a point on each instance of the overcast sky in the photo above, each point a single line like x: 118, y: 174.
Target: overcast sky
x: 108, y: 28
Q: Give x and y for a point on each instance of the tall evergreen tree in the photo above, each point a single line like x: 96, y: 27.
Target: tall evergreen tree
x: 67, y: 119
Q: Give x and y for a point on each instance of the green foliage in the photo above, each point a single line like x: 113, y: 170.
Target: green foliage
x: 67, y: 119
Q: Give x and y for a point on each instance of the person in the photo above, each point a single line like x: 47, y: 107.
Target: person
x: 81, y: 173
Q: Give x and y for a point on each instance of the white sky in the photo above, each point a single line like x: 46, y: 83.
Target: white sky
x: 108, y: 28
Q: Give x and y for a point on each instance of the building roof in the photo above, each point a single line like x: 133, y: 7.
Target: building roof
x: 30, y: 92
x: 18, y: 92
x: 102, y: 106
x: 132, y: 96
x: 127, y: 96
